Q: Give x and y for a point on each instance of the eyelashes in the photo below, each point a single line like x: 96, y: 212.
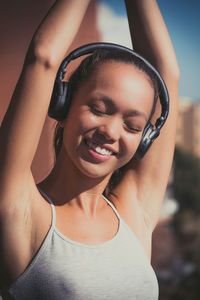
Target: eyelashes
x: 128, y: 126
x: 133, y: 129
x: 97, y: 111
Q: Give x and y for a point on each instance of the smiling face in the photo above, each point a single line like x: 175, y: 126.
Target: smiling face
x: 106, y: 119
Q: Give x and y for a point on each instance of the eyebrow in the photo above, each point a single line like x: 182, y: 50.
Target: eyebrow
x: 130, y: 113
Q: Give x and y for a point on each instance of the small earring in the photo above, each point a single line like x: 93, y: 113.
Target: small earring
x: 61, y: 124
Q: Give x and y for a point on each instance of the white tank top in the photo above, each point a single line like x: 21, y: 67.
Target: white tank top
x: 67, y: 270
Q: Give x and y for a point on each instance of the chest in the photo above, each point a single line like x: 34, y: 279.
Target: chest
x: 90, y: 230
x: 117, y: 269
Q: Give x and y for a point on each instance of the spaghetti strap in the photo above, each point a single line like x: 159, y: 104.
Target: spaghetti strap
x: 113, y: 207
x: 52, y: 206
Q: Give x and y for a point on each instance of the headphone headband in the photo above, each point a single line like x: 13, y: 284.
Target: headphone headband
x: 58, y: 105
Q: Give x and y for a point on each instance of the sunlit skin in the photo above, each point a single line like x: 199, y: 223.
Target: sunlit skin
x: 101, y: 133
x: 109, y: 110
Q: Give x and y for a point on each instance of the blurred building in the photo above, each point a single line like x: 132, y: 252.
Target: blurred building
x: 188, y: 132
x: 188, y: 139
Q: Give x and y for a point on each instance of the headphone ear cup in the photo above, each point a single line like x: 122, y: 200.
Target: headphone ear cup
x: 59, y: 103
x: 145, y: 142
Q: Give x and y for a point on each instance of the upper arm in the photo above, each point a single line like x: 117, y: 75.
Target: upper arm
x: 150, y: 175
x: 20, y: 132
x: 23, y: 122
x: 144, y: 181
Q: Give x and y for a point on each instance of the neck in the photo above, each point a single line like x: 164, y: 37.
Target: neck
x: 67, y: 185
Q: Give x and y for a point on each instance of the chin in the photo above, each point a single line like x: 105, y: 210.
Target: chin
x: 95, y: 171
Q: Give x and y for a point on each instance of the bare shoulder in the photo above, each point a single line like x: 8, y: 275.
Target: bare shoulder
x: 20, y: 236
x: 131, y: 210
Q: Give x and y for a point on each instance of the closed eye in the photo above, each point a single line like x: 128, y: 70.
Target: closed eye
x: 96, y: 110
x: 133, y: 129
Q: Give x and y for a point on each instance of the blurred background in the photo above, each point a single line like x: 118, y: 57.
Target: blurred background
x: 176, y: 240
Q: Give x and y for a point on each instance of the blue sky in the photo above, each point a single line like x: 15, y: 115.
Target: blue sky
x: 183, y: 22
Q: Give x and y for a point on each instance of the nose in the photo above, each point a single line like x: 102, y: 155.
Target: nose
x: 110, y: 129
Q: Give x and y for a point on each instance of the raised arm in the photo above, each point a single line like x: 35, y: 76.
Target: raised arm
x: 146, y: 180
x: 22, y: 125
x: 20, y: 133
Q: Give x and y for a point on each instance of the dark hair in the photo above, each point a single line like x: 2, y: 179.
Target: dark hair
x: 99, y: 57
x: 88, y: 66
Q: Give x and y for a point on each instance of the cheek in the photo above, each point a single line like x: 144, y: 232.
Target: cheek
x: 77, y: 125
x: 88, y: 123
x: 129, y: 147
x: 134, y: 145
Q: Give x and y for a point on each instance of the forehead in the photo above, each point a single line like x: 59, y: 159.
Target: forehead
x: 122, y: 82
x: 109, y: 72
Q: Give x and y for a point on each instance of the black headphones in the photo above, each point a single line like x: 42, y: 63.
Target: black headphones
x: 60, y: 103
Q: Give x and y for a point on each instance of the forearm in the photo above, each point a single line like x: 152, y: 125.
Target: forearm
x: 150, y: 36
x: 30, y: 101
x: 57, y: 30
x: 151, y: 39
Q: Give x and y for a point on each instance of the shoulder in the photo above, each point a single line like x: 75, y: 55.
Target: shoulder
x: 23, y: 228
x: 136, y: 218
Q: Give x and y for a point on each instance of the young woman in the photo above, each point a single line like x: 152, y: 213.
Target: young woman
x: 63, y: 239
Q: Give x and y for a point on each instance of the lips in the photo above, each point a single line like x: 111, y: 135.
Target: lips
x: 100, y: 149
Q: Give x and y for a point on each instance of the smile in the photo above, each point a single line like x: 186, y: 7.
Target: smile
x: 99, y: 149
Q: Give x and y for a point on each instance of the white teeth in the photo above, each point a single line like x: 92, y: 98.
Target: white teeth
x: 100, y: 150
